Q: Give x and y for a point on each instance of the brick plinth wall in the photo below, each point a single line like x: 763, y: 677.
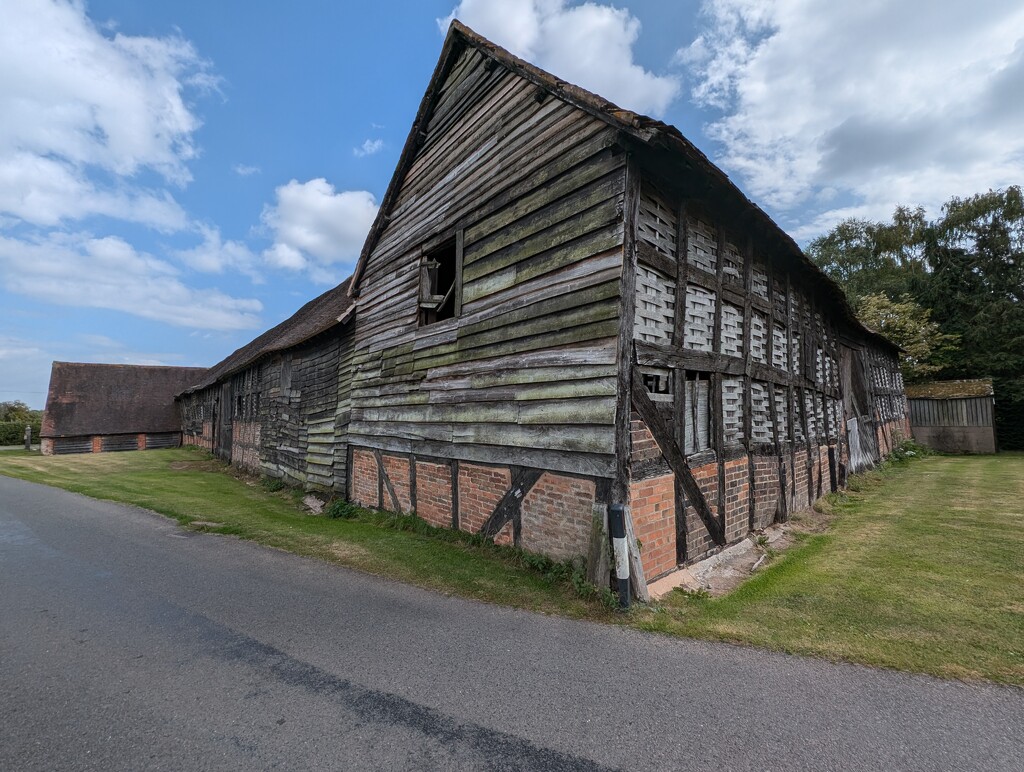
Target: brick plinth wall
x: 556, y: 514
x: 363, y: 488
x: 434, y: 492
x: 245, y: 445
x: 750, y: 481
x: 397, y: 470
x: 652, y: 504
x: 766, y: 490
x: 698, y: 540
x: 480, y: 490
x: 737, y: 499
x: 204, y: 440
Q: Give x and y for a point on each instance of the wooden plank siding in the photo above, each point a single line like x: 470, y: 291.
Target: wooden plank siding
x: 288, y: 413
x: 527, y: 372
x: 301, y: 442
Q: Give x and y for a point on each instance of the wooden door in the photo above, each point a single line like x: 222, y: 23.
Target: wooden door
x: 223, y: 421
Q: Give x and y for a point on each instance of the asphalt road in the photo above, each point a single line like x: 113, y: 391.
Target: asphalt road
x: 128, y: 643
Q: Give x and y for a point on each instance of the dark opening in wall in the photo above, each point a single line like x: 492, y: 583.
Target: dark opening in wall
x: 658, y: 383
x: 439, y: 273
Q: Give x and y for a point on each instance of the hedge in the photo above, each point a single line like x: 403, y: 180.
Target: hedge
x: 13, y: 432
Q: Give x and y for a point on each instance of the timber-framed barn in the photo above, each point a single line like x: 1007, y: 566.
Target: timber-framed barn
x: 279, y: 405
x: 562, y: 305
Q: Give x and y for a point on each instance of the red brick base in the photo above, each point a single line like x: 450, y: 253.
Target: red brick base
x: 556, y: 514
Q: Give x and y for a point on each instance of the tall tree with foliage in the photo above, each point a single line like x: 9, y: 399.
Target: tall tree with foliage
x: 976, y: 291
x: 966, y: 269
x: 871, y: 258
x: 926, y: 349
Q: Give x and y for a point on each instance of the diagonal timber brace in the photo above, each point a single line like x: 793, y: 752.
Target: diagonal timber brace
x: 674, y: 456
x: 508, y: 508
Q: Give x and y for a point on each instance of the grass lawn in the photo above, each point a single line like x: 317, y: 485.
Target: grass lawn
x: 921, y: 569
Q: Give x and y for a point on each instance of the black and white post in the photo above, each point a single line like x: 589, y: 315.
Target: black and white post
x: 617, y: 525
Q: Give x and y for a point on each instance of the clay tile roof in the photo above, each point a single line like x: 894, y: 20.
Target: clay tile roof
x: 978, y: 387
x: 87, y: 398
x: 317, y: 316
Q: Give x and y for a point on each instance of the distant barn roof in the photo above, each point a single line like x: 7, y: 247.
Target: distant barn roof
x: 653, y: 133
x: 978, y: 387
x: 90, y: 399
x: 317, y: 316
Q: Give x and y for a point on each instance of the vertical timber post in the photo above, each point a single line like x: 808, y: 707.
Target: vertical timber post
x: 624, y: 387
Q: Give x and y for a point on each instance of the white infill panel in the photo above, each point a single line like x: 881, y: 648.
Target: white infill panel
x: 655, y: 306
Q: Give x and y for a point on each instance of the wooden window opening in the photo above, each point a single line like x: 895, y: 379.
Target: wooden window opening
x: 441, y: 282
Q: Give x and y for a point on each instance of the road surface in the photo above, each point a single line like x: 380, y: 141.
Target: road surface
x: 127, y: 643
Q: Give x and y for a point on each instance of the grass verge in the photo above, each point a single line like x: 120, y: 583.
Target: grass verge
x: 203, y: 493
x: 921, y: 568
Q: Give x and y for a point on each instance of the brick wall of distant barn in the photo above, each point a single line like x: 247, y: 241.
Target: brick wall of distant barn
x: 100, y: 443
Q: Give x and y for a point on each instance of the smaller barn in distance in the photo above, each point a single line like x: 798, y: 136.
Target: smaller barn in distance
x: 92, y: 408
x: 954, y: 416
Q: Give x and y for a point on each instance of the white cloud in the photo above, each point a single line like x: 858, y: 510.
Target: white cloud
x: 590, y: 45
x: 847, y: 109
x: 214, y: 255
x: 44, y: 191
x: 244, y: 170
x: 104, y: 349
x: 314, y: 227
x: 79, y: 270
x: 369, y: 147
x: 79, y: 102
x: 13, y: 349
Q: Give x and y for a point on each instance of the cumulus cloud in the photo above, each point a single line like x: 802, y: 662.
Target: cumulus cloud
x: 369, y: 147
x: 215, y: 255
x: 590, y: 45
x: 316, y: 228
x: 46, y: 191
x: 244, y: 170
x: 80, y: 103
x: 88, y: 272
x: 847, y: 109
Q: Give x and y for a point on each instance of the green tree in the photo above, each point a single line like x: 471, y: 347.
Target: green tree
x: 926, y: 349
x: 966, y: 268
x: 871, y: 258
x: 976, y: 291
x: 16, y: 411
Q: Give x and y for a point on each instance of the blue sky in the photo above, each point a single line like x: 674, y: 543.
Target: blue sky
x: 177, y: 177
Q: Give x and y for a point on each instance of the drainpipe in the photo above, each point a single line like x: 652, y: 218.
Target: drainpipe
x: 617, y: 525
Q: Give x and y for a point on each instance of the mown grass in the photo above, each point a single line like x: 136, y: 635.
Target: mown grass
x: 201, y: 492
x: 921, y: 569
